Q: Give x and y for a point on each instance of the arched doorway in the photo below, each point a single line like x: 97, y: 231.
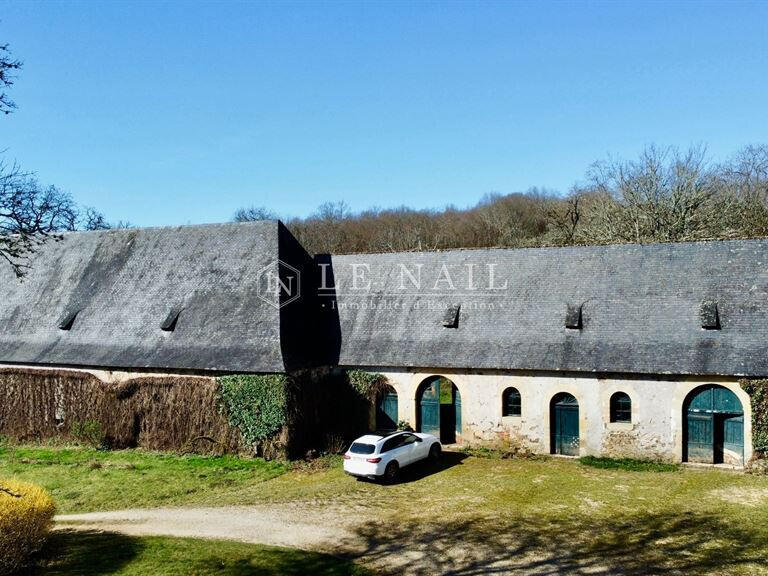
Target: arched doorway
x: 714, y: 426
x: 386, y: 410
x: 438, y: 409
x: 564, y: 424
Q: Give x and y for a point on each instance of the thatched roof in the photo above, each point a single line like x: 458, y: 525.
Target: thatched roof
x: 176, y: 298
x: 630, y: 308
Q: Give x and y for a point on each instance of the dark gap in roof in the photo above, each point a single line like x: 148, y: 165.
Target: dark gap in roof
x: 573, y: 316
x: 451, y: 316
x: 169, y: 324
x: 709, y: 315
x: 68, y: 319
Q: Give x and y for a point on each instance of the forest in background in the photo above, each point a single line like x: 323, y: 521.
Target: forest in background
x: 665, y: 195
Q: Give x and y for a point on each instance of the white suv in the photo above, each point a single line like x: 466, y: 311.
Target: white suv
x: 375, y: 457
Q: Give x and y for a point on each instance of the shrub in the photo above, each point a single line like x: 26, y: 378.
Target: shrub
x: 89, y: 432
x: 257, y: 405
x: 505, y: 446
x: 366, y: 384
x: 26, y: 516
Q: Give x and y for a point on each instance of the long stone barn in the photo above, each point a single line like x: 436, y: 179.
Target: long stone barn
x: 628, y: 350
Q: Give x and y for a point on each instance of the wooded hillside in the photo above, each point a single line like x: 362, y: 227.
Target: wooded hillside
x: 665, y: 195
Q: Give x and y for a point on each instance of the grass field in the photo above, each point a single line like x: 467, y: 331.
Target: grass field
x: 99, y: 553
x: 86, y: 479
x: 559, y: 515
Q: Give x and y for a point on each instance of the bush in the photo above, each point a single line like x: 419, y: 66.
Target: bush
x: 257, y: 405
x: 26, y: 516
x: 89, y: 433
x: 505, y: 446
x: 366, y: 384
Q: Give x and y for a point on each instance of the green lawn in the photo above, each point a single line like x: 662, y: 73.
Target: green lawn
x: 83, y: 479
x: 100, y: 553
x: 557, y: 514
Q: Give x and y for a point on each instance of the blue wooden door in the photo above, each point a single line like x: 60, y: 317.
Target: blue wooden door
x: 429, y: 406
x: 565, y: 423
x: 386, y: 412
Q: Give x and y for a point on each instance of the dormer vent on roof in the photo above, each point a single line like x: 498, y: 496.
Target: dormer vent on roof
x: 169, y: 324
x: 451, y: 316
x: 709, y: 315
x: 67, y: 320
x: 573, y: 316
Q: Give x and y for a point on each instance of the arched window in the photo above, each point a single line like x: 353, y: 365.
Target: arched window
x: 621, y: 407
x: 510, y: 402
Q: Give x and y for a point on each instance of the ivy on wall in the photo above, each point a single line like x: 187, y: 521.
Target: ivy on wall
x: 366, y: 384
x: 758, y: 393
x: 255, y: 404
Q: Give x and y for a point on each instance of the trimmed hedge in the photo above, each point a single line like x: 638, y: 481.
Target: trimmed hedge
x: 26, y: 517
x: 272, y: 415
x: 152, y: 412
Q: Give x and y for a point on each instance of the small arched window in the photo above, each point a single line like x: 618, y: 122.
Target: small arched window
x: 621, y: 407
x: 510, y: 402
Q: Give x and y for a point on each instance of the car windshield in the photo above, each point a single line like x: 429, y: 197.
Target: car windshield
x: 360, y: 448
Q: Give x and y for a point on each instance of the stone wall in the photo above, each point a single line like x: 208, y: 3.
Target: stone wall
x: 656, y: 429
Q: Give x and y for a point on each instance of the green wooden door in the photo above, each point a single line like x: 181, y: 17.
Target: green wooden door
x: 429, y: 408
x: 386, y: 412
x: 733, y: 440
x: 565, y: 423
x: 714, y: 426
x: 457, y: 409
x: 701, y: 438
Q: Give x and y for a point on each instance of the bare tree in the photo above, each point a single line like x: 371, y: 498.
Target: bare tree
x: 253, y: 213
x: 8, y: 69
x: 746, y: 175
x: 30, y: 214
x: 665, y: 196
x: 92, y: 219
x: 564, y: 216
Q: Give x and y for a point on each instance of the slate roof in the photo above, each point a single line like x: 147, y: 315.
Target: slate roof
x: 690, y: 308
x: 642, y: 309
x: 124, y: 284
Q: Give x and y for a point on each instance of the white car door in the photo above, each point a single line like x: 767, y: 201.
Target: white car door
x: 409, y: 450
x: 423, y: 449
x: 393, y: 449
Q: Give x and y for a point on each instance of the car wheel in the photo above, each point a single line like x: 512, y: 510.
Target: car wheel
x: 391, y: 472
x: 434, y: 453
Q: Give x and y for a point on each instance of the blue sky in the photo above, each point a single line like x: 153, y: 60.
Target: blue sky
x: 175, y: 113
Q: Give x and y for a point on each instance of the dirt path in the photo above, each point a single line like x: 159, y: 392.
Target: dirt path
x: 351, y: 533
x: 389, y: 548
x: 284, y: 525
